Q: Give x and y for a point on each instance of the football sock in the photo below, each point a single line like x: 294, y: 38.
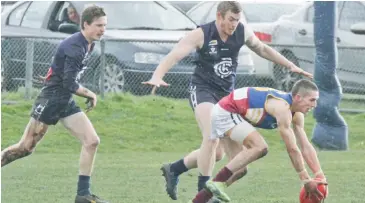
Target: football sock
x: 201, y: 181
x: 83, y: 186
x: 223, y: 175
x: 202, y: 196
x: 179, y: 167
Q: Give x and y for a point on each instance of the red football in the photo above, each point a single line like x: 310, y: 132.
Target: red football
x: 322, y: 188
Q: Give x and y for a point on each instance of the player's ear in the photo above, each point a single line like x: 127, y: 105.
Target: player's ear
x: 219, y: 15
x: 297, y: 97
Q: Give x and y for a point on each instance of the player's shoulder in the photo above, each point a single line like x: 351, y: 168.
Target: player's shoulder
x: 73, y: 43
x: 277, y: 106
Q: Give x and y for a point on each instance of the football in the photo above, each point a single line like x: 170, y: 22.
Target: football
x: 322, y: 188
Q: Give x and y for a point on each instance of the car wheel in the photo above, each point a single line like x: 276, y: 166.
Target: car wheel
x: 284, y: 79
x: 114, y: 80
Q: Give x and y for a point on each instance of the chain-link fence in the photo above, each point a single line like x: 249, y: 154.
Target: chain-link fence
x: 122, y: 65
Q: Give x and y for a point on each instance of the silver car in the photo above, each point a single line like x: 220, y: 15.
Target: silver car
x: 298, y: 30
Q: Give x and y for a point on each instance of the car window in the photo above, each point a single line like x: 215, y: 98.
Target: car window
x: 35, y: 14
x: 267, y: 12
x: 310, y: 15
x: 16, y: 15
x: 352, y: 12
x: 211, y: 8
x: 199, y: 13
x: 212, y: 13
x: 144, y: 15
x: 68, y: 13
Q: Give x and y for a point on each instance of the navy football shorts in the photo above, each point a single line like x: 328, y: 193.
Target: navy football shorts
x: 49, y: 110
x: 200, y: 95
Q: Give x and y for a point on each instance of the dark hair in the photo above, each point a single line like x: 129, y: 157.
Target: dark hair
x: 225, y: 6
x: 303, y: 87
x: 90, y: 14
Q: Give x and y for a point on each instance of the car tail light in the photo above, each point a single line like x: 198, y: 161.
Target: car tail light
x: 263, y: 36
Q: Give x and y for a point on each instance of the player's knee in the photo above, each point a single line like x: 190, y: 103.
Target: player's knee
x: 92, y: 142
x: 26, y: 150
x: 263, y: 151
x: 219, y: 154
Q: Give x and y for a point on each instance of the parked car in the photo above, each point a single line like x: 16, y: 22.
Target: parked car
x: 358, y: 28
x: 134, y: 43
x: 297, y: 29
x: 6, y: 4
x: 184, y: 5
x: 260, y: 16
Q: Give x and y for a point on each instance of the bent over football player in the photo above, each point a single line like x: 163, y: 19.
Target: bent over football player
x: 234, y: 119
x: 55, y: 102
x: 217, y: 46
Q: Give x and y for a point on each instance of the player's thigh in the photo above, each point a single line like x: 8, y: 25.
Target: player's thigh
x: 79, y: 125
x: 202, y: 102
x: 225, y: 123
x: 33, y: 133
x: 244, y: 133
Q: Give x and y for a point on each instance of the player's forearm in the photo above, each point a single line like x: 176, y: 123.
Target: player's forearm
x: 84, y: 92
x: 310, y: 157
x: 308, y: 151
x: 271, y: 54
x: 294, y: 153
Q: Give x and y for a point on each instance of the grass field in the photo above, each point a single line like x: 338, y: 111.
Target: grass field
x: 138, y: 134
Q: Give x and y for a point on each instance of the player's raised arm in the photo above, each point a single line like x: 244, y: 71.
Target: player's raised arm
x: 186, y: 45
x: 265, y: 51
x: 307, y: 149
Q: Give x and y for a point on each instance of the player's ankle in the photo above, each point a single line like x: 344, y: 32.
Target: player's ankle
x: 179, y: 167
x: 201, y: 181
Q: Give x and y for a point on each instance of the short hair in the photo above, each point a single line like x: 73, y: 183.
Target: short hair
x: 90, y: 14
x: 225, y: 6
x: 303, y: 87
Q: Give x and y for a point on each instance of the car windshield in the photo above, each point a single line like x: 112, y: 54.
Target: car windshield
x: 262, y: 13
x: 144, y: 15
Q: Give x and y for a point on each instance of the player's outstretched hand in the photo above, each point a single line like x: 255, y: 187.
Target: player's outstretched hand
x: 311, y: 188
x: 296, y: 69
x: 156, y: 82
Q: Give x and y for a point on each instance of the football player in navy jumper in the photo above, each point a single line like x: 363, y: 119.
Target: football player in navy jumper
x: 55, y: 102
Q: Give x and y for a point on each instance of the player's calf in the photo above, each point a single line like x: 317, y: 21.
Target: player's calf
x: 236, y: 176
x: 13, y: 153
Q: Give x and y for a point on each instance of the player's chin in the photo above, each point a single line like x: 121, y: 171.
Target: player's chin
x: 97, y: 38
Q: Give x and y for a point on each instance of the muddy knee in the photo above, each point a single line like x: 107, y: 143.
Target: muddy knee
x: 24, y: 150
x: 262, y: 151
x: 92, y: 142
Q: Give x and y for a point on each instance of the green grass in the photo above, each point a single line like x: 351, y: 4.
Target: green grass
x: 137, y: 135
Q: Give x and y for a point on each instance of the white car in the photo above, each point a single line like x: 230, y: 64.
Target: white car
x: 297, y: 29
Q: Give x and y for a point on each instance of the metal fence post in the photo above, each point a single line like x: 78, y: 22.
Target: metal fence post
x: 29, y: 69
x: 102, y: 67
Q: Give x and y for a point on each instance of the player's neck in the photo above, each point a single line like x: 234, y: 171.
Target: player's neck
x: 222, y: 35
x: 88, y: 39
